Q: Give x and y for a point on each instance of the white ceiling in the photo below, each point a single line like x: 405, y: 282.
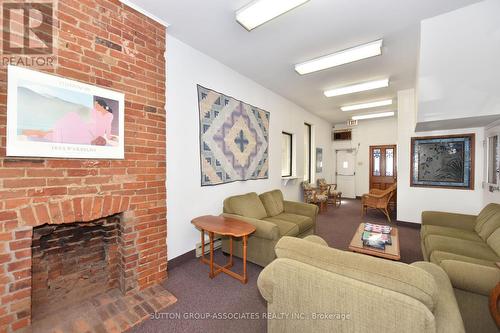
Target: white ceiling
x: 267, y: 54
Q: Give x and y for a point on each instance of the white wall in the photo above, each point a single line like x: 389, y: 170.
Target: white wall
x: 368, y: 133
x: 413, y: 200
x: 186, y: 199
x: 460, y: 64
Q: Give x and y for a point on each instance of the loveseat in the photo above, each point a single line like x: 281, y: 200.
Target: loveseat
x: 467, y: 247
x: 273, y: 218
x: 311, y: 287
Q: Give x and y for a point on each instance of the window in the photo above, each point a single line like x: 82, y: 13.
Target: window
x: 493, y: 165
x: 307, y: 152
x: 376, y: 162
x: 286, y: 154
x: 389, y: 162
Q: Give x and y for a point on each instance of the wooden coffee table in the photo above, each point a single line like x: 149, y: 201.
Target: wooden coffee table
x: 390, y: 252
x: 226, y: 227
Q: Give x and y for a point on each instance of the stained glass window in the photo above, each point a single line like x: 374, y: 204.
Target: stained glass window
x: 376, y: 162
x: 389, y: 162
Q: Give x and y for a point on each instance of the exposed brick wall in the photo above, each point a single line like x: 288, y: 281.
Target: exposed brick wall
x: 107, y: 44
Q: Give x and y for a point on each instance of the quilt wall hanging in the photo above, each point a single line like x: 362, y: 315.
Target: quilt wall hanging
x: 234, y: 139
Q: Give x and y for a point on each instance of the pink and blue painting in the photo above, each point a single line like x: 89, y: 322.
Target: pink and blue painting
x: 234, y: 139
x: 49, y: 116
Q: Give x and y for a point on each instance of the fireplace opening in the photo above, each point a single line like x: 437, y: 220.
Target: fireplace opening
x: 73, y: 262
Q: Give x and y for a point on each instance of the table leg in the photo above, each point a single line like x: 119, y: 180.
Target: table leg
x: 202, y: 245
x: 211, y: 236
x: 230, y: 251
x: 245, y: 259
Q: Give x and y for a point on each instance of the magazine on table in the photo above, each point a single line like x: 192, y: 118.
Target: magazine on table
x: 376, y: 240
x: 384, y: 229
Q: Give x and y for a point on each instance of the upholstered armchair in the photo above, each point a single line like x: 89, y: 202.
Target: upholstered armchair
x: 378, y: 199
x: 314, y: 195
x: 334, y: 196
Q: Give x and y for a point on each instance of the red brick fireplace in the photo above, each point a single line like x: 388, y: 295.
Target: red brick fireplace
x: 104, y: 43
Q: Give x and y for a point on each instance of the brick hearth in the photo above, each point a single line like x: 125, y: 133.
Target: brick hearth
x: 73, y: 262
x: 104, y: 43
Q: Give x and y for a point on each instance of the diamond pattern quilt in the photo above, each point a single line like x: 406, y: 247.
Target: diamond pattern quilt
x: 234, y: 139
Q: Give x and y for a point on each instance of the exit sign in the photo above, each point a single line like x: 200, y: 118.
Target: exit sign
x: 352, y: 123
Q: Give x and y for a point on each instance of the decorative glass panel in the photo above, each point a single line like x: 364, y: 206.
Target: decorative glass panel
x: 493, y: 160
x: 376, y: 162
x: 389, y: 162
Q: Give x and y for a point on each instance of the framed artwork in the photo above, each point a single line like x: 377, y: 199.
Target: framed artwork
x: 319, y: 160
x: 443, y: 161
x: 50, y: 116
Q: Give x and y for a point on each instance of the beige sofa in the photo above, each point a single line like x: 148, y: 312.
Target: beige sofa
x: 467, y: 248
x: 322, y: 289
x: 273, y: 218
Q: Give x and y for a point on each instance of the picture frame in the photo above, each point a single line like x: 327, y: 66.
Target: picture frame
x: 445, y: 161
x: 51, y: 116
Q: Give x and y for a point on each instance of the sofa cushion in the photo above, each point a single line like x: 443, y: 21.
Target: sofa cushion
x: 286, y: 228
x: 395, y: 276
x: 486, y: 213
x: 489, y: 226
x: 494, y: 241
x: 439, y: 256
x: 303, y: 222
x: 476, y: 278
x: 247, y: 205
x: 463, y: 247
x: 446, y: 313
x: 273, y: 202
x: 430, y: 229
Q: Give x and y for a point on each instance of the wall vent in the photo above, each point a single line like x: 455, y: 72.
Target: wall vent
x: 342, y: 135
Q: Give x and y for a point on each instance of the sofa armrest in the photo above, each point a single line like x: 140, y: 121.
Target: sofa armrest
x: 265, y: 283
x: 452, y: 220
x: 301, y: 208
x: 263, y: 229
x: 475, y: 278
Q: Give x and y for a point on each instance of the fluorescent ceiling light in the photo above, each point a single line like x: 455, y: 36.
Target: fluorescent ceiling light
x: 342, y: 57
x: 367, y: 105
x: 260, y: 11
x: 357, y: 88
x: 373, y: 115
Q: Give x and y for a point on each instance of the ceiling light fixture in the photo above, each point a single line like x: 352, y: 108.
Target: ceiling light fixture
x: 367, y: 105
x: 340, y: 58
x: 373, y: 115
x: 260, y: 11
x: 357, y: 88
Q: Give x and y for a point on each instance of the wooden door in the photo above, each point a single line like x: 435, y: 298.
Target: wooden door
x: 383, y: 166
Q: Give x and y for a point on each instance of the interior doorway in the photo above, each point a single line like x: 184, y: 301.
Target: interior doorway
x: 383, y: 166
x: 346, y: 171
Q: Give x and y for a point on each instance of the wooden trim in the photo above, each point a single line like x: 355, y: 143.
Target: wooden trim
x: 473, y: 159
x: 290, y: 172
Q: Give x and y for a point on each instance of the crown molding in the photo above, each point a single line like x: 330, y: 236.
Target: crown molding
x: 144, y: 12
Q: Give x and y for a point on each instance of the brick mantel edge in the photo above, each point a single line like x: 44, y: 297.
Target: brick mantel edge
x: 107, y: 44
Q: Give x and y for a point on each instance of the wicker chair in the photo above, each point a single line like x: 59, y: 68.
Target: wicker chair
x: 334, y: 196
x: 378, y: 199
x: 315, y: 196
